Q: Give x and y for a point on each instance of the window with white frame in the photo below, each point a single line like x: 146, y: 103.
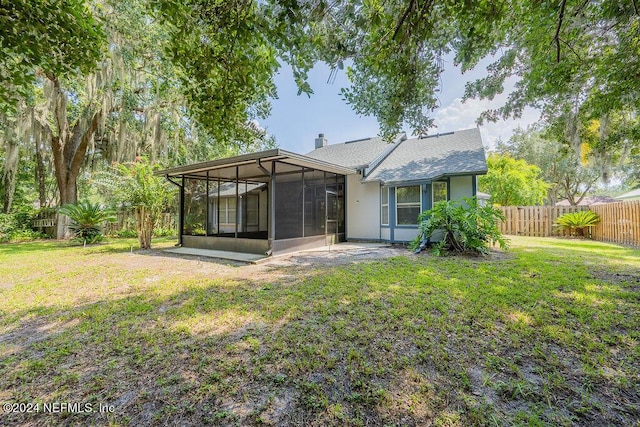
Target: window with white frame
x: 252, y: 209
x: 385, y: 206
x: 407, y: 205
x: 438, y: 191
x: 228, y: 210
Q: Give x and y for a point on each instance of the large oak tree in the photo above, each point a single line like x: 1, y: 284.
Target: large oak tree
x: 573, y: 58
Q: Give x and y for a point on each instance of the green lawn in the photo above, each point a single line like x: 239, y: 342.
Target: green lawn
x: 545, y: 334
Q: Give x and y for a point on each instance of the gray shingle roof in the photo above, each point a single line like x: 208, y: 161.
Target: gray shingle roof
x: 427, y: 158
x: 588, y: 201
x: 351, y: 154
x: 631, y: 194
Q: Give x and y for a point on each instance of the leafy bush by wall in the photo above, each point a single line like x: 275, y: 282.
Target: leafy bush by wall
x: 471, y: 228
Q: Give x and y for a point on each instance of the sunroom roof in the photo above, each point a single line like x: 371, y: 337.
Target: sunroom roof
x: 254, y: 166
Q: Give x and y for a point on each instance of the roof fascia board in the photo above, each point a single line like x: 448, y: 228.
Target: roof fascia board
x: 424, y: 180
x: 263, y: 156
x: 219, y: 163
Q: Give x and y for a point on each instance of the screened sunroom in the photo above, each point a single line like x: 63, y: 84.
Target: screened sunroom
x: 268, y: 202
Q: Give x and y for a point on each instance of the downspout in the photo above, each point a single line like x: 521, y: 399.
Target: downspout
x: 237, y: 204
x: 272, y: 209
x: 262, y: 168
x: 474, y: 186
x: 181, y: 209
x: 380, y: 185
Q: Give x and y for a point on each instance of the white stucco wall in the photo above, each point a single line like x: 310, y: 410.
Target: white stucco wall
x: 385, y: 234
x: 461, y: 186
x: 363, y: 209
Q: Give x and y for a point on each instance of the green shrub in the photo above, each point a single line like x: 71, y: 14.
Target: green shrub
x: 87, y: 220
x: 577, y: 222
x: 194, y: 225
x: 7, y: 226
x: 468, y: 228
x: 126, y: 233
x: 135, y: 186
x: 17, y: 227
x: 26, y: 235
x: 165, y: 232
x: 157, y: 232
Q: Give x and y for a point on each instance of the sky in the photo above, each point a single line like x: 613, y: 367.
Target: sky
x: 296, y: 121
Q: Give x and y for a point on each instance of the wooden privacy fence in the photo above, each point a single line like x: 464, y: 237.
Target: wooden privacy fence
x: 536, y: 221
x: 126, y: 220
x: 619, y: 222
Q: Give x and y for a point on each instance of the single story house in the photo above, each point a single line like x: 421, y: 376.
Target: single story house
x: 629, y: 196
x: 588, y: 201
x: 276, y: 201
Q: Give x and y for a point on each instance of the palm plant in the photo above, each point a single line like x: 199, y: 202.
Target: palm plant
x: 135, y: 186
x: 87, y: 220
x: 577, y: 222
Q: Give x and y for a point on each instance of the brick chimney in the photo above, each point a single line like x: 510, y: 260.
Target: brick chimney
x: 321, y: 141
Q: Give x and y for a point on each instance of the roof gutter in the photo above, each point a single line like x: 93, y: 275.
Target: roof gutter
x: 168, y: 178
x: 422, y: 180
x: 247, y: 159
x: 262, y: 168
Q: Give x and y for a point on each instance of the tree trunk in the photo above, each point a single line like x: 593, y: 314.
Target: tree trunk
x: 552, y: 195
x: 145, y: 223
x: 40, y: 175
x: 568, y: 190
x: 69, y: 147
x: 62, y: 226
x: 12, y: 157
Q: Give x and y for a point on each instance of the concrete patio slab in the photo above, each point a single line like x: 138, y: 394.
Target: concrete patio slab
x: 231, y: 256
x: 356, y: 249
x: 348, y: 246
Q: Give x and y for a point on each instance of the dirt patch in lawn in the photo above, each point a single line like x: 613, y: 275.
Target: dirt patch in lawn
x: 617, y: 278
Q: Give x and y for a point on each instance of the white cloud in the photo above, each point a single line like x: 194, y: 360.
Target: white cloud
x: 458, y: 115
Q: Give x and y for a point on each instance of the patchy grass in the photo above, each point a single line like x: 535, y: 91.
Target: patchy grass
x: 544, y: 335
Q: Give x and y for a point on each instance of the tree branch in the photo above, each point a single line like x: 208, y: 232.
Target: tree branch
x: 405, y: 15
x: 557, y: 36
x: 584, y: 193
x: 59, y: 105
x: 80, y: 129
x: 572, y: 50
x: 81, y: 149
x: 580, y: 7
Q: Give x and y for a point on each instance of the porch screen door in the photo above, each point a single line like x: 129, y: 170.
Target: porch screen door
x: 331, y: 225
